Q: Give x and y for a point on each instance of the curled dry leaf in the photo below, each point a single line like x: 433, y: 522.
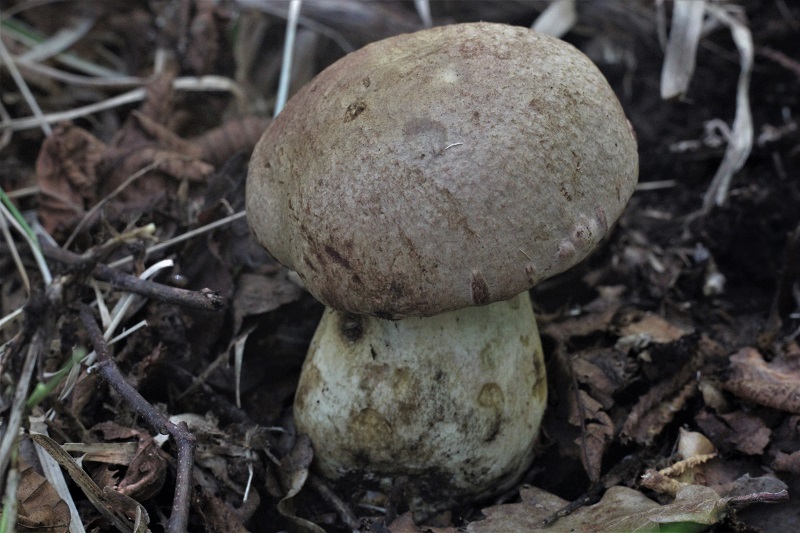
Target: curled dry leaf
x: 658, y: 406
x: 146, y: 467
x: 219, y: 144
x: 293, y: 473
x: 146, y: 472
x: 771, y: 384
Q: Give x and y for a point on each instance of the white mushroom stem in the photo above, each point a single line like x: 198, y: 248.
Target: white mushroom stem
x: 452, y: 402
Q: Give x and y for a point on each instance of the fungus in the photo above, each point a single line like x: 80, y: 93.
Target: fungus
x: 419, y: 187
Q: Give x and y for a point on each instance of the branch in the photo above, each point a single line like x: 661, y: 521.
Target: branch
x: 204, y: 299
x: 184, y: 440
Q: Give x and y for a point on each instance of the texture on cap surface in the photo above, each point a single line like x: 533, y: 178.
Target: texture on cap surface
x: 446, y: 168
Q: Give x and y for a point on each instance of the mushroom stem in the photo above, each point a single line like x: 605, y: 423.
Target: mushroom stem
x: 451, y: 402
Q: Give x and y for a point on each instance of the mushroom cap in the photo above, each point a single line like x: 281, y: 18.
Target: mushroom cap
x: 451, y: 167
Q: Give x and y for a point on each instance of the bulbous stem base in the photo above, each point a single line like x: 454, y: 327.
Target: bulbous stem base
x: 451, y: 403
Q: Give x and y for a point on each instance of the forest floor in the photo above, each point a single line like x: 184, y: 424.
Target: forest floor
x: 672, y: 351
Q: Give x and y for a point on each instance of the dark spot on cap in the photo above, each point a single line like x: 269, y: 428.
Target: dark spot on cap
x: 337, y: 257
x: 351, y: 327
x: 480, y: 291
x: 396, y: 289
x: 353, y: 110
x: 600, y: 214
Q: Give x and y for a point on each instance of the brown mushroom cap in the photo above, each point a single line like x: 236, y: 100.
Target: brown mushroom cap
x: 450, y: 167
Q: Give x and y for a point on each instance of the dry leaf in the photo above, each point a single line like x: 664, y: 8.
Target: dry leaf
x: 256, y: 294
x: 694, y: 450
x: 657, y: 408
x: 237, y: 135
x: 405, y: 524
x: 293, y: 473
x: 654, y: 329
x: 588, y: 413
x: 66, y: 171
x: 604, y: 371
x: 740, y: 431
x: 147, y: 471
x: 773, y: 384
x: 620, y: 509
x: 40, y: 508
x: 119, y: 509
x: 218, y: 516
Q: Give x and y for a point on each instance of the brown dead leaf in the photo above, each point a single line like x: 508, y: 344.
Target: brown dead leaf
x: 293, y: 473
x: 147, y: 471
x: 110, y: 430
x: 66, y: 171
x: 120, y: 510
x: 588, y: 413
x: 740, y: 431
x: 620, y: 509
x: 772, y: 384
x: 787, y: 462
x: 579, y: 326
x: 218, y: 516
x: 679, y: 361
x: 604, y: 371
x: 405, y: 524
x: 147, y: 130
x: 237, y: 135
x: 785, y: 445
x: 658, y: 407
x: 40, y: 508
x: 256, y: 294
x: 654, y: 328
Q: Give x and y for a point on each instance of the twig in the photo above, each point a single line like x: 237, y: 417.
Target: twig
x: 184, y: 440
x: 329, y: 496
x: 759, y: 497
x: 204, y: 299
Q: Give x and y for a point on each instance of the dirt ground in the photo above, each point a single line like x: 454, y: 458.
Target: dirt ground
x: 672, y: 351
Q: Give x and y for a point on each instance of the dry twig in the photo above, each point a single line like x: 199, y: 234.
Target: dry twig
x: 108, y: 369
x: 205, y: 299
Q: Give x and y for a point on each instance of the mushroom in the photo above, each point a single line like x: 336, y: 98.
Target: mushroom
x: 419, y: 187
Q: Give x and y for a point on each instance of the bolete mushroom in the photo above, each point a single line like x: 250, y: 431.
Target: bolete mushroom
x: 419, y: 187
